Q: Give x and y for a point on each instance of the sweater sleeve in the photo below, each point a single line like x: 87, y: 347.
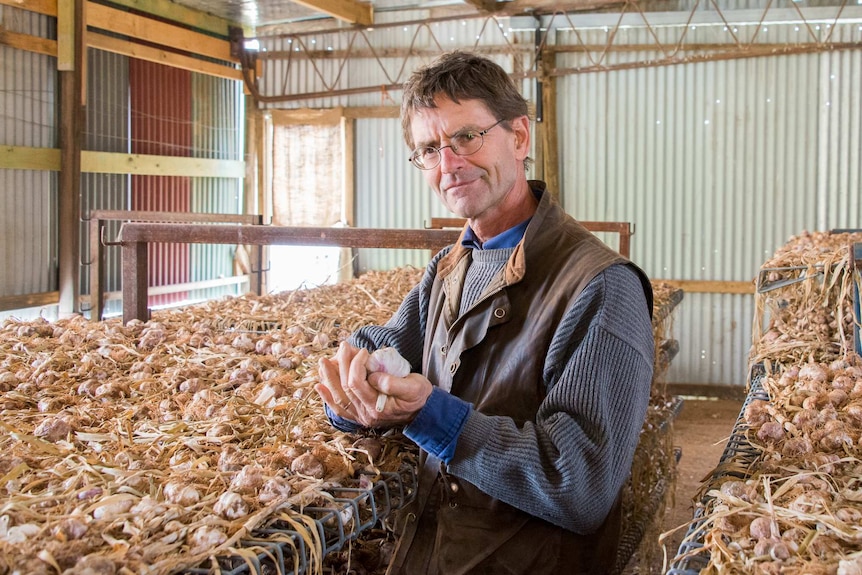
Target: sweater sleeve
x: 569, y: 465
x: 405, y: 331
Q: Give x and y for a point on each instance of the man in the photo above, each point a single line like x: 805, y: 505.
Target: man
x: 531, y: 348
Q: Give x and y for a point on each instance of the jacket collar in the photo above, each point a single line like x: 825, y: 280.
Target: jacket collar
x: 517, y: 265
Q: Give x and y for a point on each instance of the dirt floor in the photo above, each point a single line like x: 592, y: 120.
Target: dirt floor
x: 700, y: 430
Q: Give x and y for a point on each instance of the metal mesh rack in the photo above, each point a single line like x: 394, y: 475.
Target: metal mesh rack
x: 663, y: 312
x: 644, y: 516
x: 856, y: 253
x: 282, y: 548
x: 738, y: 455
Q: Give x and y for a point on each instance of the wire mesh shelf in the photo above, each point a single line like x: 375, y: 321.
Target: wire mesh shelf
x: 666, y: 308
x: 738, y: 455
x: 644, y: 512
x: 352, y: 510
x: 856, y: 253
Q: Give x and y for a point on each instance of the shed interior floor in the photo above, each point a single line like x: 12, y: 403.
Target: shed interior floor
x: 701, y: 431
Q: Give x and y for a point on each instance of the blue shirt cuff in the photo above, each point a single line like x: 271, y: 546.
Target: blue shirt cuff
x: 341, y: 423
x: 439, y: 423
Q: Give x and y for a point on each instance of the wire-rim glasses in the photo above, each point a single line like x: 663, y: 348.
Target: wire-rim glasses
x: 462, y: 144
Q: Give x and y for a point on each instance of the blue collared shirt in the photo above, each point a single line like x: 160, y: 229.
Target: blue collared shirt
x: 508, y: 239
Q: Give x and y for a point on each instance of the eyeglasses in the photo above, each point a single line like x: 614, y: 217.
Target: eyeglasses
x: 462, y: 144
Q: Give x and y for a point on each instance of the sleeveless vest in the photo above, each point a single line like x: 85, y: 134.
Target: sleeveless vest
x: 494, y: 357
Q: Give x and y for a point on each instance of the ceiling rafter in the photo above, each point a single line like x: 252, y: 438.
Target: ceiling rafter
x: 347, y: 10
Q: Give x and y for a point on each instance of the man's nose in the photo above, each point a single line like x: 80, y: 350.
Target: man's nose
x: 449, y: 160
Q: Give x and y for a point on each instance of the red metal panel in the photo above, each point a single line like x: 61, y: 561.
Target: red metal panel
x: 161, y: 124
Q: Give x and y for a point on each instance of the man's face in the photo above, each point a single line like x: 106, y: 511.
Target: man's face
x: 475, y: 186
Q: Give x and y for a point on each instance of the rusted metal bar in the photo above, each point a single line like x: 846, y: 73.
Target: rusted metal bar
x: 624, y: 229
x: 135, y: 282
x: 135, y: 237
x: 97, y: 222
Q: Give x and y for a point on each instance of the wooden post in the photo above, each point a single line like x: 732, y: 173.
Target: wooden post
x: 348, y: 197
x: 250, y: 189
x: 70, y: 63
x: 550, y: 143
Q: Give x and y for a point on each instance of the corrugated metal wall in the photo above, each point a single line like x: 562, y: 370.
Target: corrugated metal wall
x: 217, y: 133
x: 390, y: 193
x: 161, y: 113
x: 107, y: 131
x: 204, y: 118
x: 28, y: 198
x: 717, y: 164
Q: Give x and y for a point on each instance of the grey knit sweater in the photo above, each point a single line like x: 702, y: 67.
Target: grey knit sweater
x: 568, y: 466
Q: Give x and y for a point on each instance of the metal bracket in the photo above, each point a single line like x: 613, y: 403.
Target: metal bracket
x: 764, y: 286
x: 102, y: 239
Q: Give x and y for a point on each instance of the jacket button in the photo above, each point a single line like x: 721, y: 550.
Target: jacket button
x: 499, y: 313
x: 453, y: 487
x: 453, y: 367
x: 444, y: 349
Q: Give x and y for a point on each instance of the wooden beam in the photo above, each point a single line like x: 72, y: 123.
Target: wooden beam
x: 159, y: 33
x: 548, y: 127
x: 152, y: 54
x: 97, y: 252
x: 485, y: 5
x: 556, y: 6
x: 347, y: 10
x: 66, y: 35
x: 173, y: 12
x: 712, y: 286
x: 307, y: 117
x: 127, y: 24
x: 71, y: 132
x: 140, y: 164
x: 28, y: 43
x: 348, y: 194
x: 365, y: 112
x: 13, y: 302
x: 25, y: 158
x: 46, y: 7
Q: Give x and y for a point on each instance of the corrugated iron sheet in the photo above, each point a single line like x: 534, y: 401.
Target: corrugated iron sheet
x: 218, y: 110
x: 28, y: 198
x: 717, y: 164
x: 107, y: 131
x: 161, y: 114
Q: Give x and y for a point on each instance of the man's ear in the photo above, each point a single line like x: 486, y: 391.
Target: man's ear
x: 521, y: 129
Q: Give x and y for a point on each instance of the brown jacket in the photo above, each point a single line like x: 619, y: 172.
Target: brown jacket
x: 494, y: 357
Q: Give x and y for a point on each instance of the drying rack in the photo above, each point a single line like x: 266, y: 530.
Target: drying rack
x: 353, y: 510
x: 739, y: 454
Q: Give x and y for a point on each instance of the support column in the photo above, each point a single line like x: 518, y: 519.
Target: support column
x: 71, y: 71
x: 550, y: 141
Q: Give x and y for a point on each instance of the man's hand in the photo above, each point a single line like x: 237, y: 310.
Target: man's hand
x: 352, y: 393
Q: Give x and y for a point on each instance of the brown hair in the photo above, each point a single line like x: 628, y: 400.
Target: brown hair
x: 460, y: 76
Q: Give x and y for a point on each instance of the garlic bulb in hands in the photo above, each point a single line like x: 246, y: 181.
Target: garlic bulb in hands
x: 387, y: 360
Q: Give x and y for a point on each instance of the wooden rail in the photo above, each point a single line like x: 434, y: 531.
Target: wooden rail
x: 134, y: 238
x: 624, y: 229
x: 98, y: 243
